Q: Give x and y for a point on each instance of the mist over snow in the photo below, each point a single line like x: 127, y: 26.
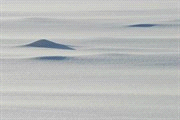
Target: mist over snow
x: 80, y: 59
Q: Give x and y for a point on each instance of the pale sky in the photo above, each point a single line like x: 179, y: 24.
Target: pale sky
x: 86, y: 5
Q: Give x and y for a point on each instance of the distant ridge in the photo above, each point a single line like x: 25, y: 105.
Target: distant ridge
x: 43, y: 43
x: 143, y: 25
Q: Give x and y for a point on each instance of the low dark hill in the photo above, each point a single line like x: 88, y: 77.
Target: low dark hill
x: 143, y: 25
x: 43, y: 43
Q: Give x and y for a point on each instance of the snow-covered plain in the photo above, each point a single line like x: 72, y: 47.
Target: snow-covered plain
x: 122, y: 65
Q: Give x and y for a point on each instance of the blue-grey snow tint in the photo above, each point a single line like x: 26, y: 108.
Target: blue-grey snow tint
x: 43, y: 43
x: 100, y: 59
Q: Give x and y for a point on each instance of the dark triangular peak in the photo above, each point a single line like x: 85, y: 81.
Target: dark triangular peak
x: 43, y: 43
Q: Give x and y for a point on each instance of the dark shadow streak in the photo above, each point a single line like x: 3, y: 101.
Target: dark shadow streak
x: 51, y: 58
